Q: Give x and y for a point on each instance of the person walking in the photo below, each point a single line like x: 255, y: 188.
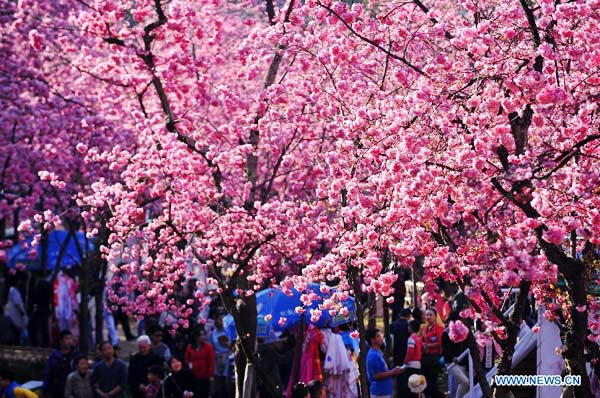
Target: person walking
x: 59, y: 366
x: 381, y: 384
x: 40, y: 298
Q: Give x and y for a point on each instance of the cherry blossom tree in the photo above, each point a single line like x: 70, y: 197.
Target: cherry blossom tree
x: 226, y: 129
x: 49, y: 117
x: 485, y: 163
x: 318, y: 136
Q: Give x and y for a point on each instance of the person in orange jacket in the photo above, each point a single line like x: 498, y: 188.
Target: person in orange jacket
x: 432, y: 334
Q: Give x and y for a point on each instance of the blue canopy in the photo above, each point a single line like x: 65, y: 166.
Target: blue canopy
x: 20, y: 253
x: 279, y: 305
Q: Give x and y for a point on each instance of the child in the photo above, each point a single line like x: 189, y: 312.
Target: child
x: 154, y: 387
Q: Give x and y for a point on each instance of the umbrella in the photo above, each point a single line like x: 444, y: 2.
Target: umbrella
x: 21, y: 252
x: 278, y: 305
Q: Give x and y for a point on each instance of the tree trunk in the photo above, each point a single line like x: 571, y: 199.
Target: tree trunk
x: 577, y: 331
x: 372, y: 305
x: 44, y: 251
x: 386, y: 329
x: 84, y: 315
x: 419, y: 260
x: 298, y: 351
x: 99, y: 322
x: 386, y: 261
x: 512, y: 329
x: 362, y: 356
x: 100, y: 269
x: 478, y: 366
x: 243, y: 310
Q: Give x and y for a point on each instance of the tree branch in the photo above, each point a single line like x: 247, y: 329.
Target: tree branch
x: 373, y: 43
x: 567, y: 155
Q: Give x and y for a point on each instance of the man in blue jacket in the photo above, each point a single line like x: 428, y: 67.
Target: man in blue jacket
x: 58, y: 367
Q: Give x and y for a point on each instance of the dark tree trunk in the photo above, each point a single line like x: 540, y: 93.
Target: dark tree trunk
x: 44, y: 251
x: 100, y: 268
x: 84, y: 315
x: 416, y: 265
x: 243, y: 310
x: 386, y: 329
x: 512, y: 329
x: 478, y: 366
x: 362, y: 356
x: 99, y: 321
x: 298, y: 350
x: 372, y: 306
x: 577, y: 331
x: 386, y: 260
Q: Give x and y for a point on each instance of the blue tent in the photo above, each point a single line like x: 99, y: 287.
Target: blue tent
x: 20, y: 253
x: 279, y: 305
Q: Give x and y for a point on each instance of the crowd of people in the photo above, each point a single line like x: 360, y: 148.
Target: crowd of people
x: 423, y: 353
x: 198, y: 362
x: 153, y: 371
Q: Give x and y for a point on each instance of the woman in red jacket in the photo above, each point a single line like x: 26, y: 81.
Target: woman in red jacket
x: 432, y: 349
x: 200, y: 358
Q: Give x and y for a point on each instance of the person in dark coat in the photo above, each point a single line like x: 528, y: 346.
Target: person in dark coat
x: 8, y: 335
x: 59, y: 366
x: 271, y: 355
x: 399, y: 329
x: 180, y: 382
x: 109, y: 377
x: 40, y: 298
x: 139, y: 364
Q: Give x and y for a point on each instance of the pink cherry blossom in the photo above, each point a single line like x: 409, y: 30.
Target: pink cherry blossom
x: 457, y: 331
